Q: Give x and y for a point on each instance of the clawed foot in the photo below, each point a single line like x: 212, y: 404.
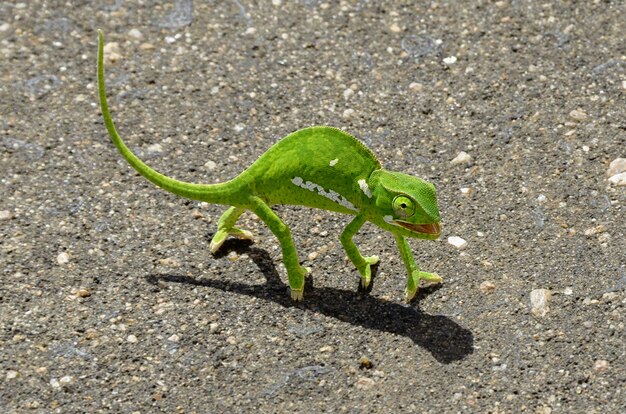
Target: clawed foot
x: 416, y: 277
x: 297, y: 294
x: 366, y: 271
x: 221, y: 235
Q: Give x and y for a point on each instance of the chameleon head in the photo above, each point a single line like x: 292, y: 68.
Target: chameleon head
x: 405, y: 205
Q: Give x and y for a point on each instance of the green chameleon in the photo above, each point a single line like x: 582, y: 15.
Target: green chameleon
x: 320, y: 167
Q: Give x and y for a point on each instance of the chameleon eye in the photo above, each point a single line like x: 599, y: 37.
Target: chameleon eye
x: 403, y: 206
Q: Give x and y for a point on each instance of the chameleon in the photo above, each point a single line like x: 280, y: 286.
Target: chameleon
x: 319, y: 167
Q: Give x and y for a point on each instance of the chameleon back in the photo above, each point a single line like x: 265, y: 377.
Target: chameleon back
x: 316, y: 167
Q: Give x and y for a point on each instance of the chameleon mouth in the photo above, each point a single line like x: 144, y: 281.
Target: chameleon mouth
x: 430, y: 228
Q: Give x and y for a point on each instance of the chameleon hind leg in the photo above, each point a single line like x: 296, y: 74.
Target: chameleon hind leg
x: 225, y: 227
x: 295, y: 272
x: 362, y: 263
x: 415, y: 275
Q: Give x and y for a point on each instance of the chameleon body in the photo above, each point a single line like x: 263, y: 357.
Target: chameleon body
x: 319, y: 167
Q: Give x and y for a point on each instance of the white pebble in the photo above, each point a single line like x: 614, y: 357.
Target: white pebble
x: 239, y: 127
x: 11, y: 374
x: 132, y: 339
x: 5, y: 215
x: 348, y: 113
x: 449, y: 60
x: 154, y: 148
x: 578, y: 115
x: 541, y: 198
x: 112, y: 52
x: 462, y: 158
x: 174, y: 338
x: 416, y: 86
x: 348, y: 93
x: 466, y: 191
x: 135, y: 34
x: 539, y: 299
x: 457, y: 242
x: 617, y: 166
x: 63, y: 258
x: 210, y: 165
x: 618, y: 179
x: 4, y: 27
x: 276, y: 2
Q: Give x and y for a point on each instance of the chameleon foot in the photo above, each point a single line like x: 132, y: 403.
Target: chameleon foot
x: 409, y: 294
x: 297, y: 295
x: 297, y: 278
x: 366, y: 272
x: 221, y: 236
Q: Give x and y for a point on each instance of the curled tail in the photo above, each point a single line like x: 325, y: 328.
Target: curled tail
x: 211, y: 193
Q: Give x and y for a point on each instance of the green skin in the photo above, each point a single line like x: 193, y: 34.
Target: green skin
x: 320, y: 167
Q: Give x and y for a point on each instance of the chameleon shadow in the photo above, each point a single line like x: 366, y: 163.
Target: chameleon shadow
x: 443, y: 338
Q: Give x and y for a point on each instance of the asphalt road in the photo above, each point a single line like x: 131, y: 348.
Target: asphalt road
x: 110, y: 300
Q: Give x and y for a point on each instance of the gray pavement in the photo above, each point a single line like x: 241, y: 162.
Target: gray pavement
x: 110, y: 300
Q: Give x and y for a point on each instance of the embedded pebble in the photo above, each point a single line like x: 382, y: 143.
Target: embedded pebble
x: 450, y: 60
x: 4, y: 27
x: 214, y: 327
x: 539, y: 299
x: 348, y: 93
x: 487, y: 286
x: 132, y: 339
x: 135, y: 34
x: 462, y: 158
x: 617, y: 166
x: 467, y: 191
x: 112, y: 52
x: 348, y: 113
x: 395, y: 28
x: 83, y: 293
x: 5, y: 215
x: 365, y: 383
x: 326, y: 348
x: 416, y: 87
x: 618, y: 179
x: 601, y: 365
x: 239, y: 127
x: 154, y: 148
x: 457, y: 242
x: 578, y: 115
x: 276, y: 2
x: 174, y: 338
x: 63, y: 258
x: 210, y: 165
x: 11, y: 374
x: 312, y: 255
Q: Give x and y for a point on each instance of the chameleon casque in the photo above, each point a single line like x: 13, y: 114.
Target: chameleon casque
x: 319, y: 167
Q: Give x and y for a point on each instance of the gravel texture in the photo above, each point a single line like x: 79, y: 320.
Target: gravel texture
x: 111, y: 302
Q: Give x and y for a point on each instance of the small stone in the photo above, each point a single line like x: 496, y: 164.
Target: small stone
x: 232, y: 256
x: 214, y: 327
x: 539, y: 299
x: 541, y: 198
x: 312, y: 256
x: 578, y: 115
x: 467, y: 191
x: 601, y: 365
x: 169, y: 262
x: 326, y: 348
x: 4, y: 27
x: 112, y: 52
x: 364, y: 383
x: 68, y: 379
x: 11, y: 374
x: 348, y: 93
x: 63, y: 258
x: 210, y: 165
x: 457, y: 242
x: 5, y: 215
x: 365, y: 363
x: 146, y: 46
x: 276, y: 2
x: 83, y: 293
x: 487, y: 286
x: 174, y: 338
x: 239, y: 127
x: 348, y: 113
x: 132, y: 339
x: 135, y: 34
x: 568, y: 291
x: 416, y: 87
x: 450, y: 60
x: 462, y: 158
x: 395, y: 28
x: 250, y: 31
x: 618, y: 179
x: 617, y: 166
x: 155, y: 149
x: 55, y: 383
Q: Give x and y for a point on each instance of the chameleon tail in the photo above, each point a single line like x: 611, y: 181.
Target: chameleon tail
x: 211, y: 193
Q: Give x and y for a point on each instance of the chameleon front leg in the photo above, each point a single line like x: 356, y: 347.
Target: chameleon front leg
x: 295, y: 272
x: 414, y: 272
x: 363, y: 264
x: 225, y: 227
